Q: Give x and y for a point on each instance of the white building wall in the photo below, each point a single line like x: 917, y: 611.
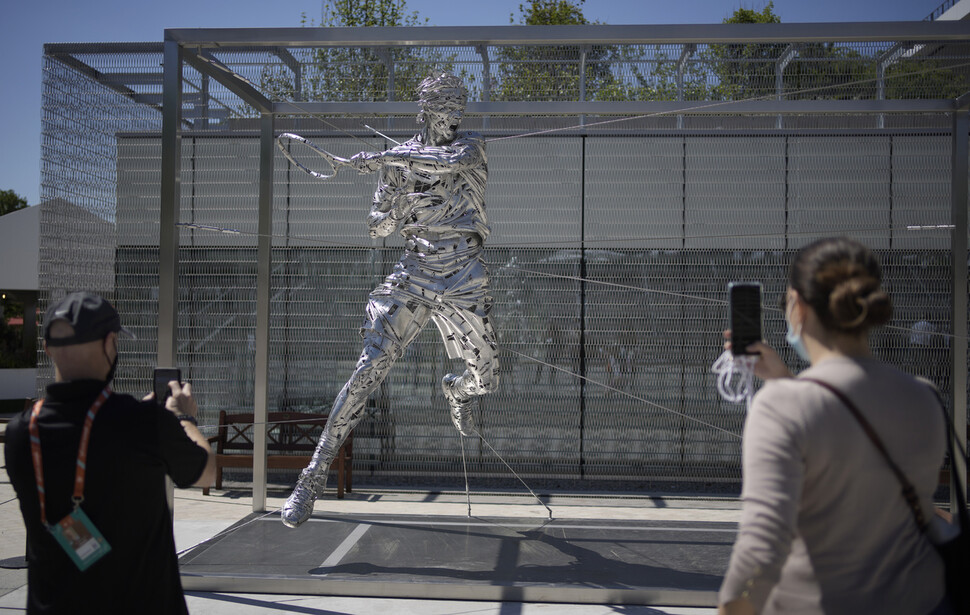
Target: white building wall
x: 19, y: 249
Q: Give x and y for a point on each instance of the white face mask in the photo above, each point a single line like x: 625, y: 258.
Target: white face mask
x: 794, y: 338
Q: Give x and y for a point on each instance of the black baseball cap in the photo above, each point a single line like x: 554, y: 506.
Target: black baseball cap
x: 91, y: 316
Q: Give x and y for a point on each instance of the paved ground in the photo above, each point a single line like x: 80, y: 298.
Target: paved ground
x: 199, y: 517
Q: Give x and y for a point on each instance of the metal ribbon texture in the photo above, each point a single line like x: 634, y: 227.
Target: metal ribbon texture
x: 431, y: 189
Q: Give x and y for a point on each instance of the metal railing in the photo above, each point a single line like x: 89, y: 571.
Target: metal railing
x: 938, y: 11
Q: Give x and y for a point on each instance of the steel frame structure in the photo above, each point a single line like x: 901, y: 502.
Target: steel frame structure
x: 200, y: 49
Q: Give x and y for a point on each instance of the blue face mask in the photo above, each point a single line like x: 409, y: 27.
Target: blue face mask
x: 794, y: 339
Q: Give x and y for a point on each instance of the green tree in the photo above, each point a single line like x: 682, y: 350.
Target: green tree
x: 359, y: 73
x: 547, y: 73
x: 11, y: 201
x: 746, y: 70
x: 829, y: 71
x: 551, y: 12
x: 921, y: 78
x: 659, y: 80
x: 826, y: 71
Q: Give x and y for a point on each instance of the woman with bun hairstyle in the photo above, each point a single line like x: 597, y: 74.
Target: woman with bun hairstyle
x: 824, y: 527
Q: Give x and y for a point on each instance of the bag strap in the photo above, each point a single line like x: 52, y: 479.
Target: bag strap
x: 909, y: 492
x: 962, y: 513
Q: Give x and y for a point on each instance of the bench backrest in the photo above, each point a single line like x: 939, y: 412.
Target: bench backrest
x: 287, y: 432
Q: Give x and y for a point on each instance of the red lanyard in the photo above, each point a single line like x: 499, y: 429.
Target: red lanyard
x: 82, y: 452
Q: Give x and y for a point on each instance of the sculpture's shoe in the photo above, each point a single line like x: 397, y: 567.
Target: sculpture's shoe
x: 299, y: 506
x: 461, y: 411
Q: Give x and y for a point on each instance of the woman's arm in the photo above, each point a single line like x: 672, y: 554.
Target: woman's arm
x: 773, y: 472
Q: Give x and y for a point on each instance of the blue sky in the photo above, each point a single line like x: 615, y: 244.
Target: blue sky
x: 25, y: 25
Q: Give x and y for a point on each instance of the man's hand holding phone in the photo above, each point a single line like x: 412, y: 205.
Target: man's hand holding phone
x: 171, y: 393
x: 180, y: 401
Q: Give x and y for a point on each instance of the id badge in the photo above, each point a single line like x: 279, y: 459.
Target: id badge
x: 80, y: 539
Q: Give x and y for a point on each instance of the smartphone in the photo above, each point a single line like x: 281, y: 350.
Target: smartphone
x: 745, y: 298
x: 164, y: 375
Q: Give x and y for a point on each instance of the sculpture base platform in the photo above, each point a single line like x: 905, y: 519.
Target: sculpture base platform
x: 468, y: 558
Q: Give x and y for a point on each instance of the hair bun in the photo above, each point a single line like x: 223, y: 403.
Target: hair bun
x: 840, y: 279
x: 859, y: 303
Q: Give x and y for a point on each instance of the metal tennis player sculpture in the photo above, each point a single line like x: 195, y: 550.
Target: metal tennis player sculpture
x: 431, y: 189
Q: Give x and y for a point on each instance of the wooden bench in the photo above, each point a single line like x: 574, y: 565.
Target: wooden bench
x: 289, y: 435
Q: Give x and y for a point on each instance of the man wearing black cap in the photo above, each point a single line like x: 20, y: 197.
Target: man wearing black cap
x: 89, y: 469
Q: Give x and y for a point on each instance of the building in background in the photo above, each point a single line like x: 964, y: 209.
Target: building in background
x: 19, y: 289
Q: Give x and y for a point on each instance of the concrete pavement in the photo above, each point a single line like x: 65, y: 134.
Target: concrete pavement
x: 199, y: 517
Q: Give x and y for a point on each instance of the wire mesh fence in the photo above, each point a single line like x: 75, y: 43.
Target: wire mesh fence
x: 555, y: 72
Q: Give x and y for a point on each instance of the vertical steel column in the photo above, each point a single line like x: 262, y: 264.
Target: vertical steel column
x: 387, y: 54
x: 486, y: 80
x: 958, y: 254
x: 168, y: 238
x: 263, y: 278
x: 786, y: 57
x: 583, y: 52
x: 168, y: 215
x: 582, y: 309
x: 887, y: 59
x: 204, y: 105
x: 687, y: 51
x: 880, y: 91
x: 486, y: 72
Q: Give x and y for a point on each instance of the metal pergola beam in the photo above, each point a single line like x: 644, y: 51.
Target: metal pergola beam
x: 110, y: 80
x: 962, y: 103
x: 206, y: 64
x: 287, y: 58
x: 197, y: 45
x: 733, y: 107
x: 702, y: 34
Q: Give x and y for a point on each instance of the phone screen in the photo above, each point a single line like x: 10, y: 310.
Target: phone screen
x: 164, y: 375
x: 745, y: 315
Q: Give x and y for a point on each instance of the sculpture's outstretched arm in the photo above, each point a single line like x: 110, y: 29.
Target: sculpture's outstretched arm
x: 425, y: 160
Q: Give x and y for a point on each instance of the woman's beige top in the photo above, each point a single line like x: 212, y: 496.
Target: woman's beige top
x: 824, y: 527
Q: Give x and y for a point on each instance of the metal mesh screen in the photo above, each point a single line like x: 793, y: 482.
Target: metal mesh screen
x: 719, y: 73
x: 610, y: 253
x: 81, y: 187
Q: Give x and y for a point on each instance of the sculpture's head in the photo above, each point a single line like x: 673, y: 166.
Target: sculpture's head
x: 442, y: 99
